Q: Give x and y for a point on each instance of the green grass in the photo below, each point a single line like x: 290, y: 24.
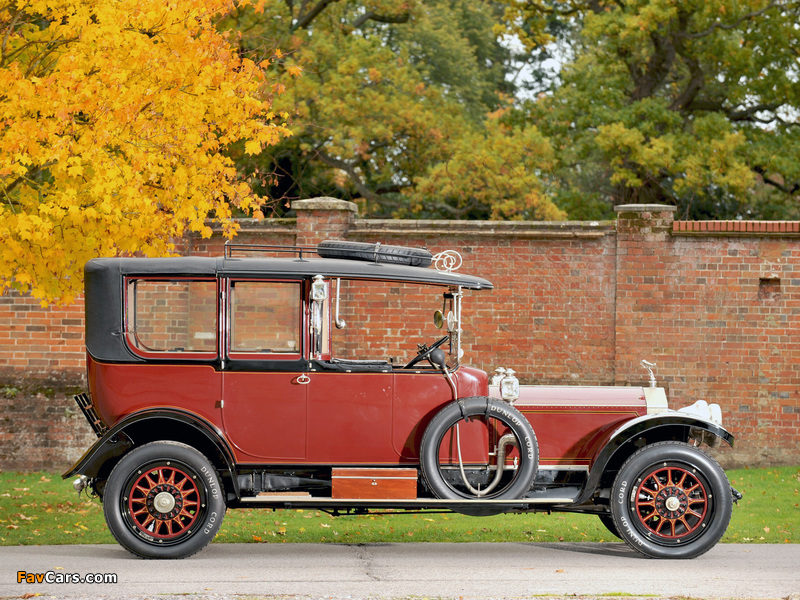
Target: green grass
x: 41, y: 508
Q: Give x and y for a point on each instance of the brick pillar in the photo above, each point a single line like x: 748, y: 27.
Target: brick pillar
x: 321, y: 219
x: 644, y: 263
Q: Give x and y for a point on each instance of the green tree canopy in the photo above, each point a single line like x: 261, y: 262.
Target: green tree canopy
x: 685, y: 102
x: 396, y: 107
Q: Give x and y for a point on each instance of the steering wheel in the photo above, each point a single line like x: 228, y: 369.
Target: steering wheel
x: 424, y: 351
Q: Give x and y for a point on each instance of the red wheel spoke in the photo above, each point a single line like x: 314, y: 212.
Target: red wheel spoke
x: 162, y: 528
x: 146, y: 522
x: 650, y: 516
x: 693, y: 488
x: 672, y: 526
x: 143, y: 491
x: 649, y: 491
x: 658, y: 526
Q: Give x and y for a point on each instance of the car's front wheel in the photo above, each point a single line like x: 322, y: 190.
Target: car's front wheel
x: 164, y: 500
x: 671, y: 500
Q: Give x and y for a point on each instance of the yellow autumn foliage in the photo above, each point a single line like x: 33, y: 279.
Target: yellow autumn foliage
x: 114, y: 121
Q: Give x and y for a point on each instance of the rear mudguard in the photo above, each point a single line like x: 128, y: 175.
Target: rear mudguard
x: 119, y: 440
x: 654, y: 428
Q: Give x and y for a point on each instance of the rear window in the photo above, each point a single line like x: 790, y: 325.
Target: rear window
x: 176, y: 316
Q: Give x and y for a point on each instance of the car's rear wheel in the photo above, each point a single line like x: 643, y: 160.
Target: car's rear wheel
x: 671, y: 500
x: 164, y: 500
x: 479, y: 448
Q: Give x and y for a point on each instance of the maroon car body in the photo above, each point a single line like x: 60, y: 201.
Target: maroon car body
x: 214, y: 383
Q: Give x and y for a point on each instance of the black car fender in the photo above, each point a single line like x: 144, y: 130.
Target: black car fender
x: 671, y: 425
x: 147, y: 426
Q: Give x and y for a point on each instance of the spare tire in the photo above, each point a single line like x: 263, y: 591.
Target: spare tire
x: 440, y: 452
x: 396, y: 255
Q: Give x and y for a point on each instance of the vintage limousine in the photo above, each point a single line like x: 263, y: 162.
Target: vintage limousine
x: 214, y: 383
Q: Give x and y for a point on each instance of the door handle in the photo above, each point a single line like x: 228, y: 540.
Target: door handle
x: 303, y: 379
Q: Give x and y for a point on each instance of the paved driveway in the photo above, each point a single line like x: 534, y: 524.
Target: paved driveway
x: 479, y: 570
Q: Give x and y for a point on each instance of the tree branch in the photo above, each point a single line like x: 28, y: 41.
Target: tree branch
x: 372, y: 16
x: 348, y: 168
x: 748, y: 114
x: 795, y: 187
x: 648, y: 78
x: 11, y: 25
x: 27, y: 177
x: 304, y: 20
x: 697, y: 76
x: 737, y: 22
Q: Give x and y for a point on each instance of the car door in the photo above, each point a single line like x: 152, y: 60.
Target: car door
x: 264, y: 405
x: 350, y: 417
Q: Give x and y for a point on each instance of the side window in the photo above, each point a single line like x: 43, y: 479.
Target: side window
x: 265, y: 317
x: 176, y: 316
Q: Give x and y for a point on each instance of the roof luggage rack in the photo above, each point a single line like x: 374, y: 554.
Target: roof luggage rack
x: 266, y: 248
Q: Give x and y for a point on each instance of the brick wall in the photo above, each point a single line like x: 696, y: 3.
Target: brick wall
x: 715, y: 304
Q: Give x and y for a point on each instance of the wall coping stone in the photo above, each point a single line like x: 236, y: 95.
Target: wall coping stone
x: 417, y: 227
x: 324, y: 203
x: 736, y: 228
x: 249, y: 225
x: 640, y: 208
